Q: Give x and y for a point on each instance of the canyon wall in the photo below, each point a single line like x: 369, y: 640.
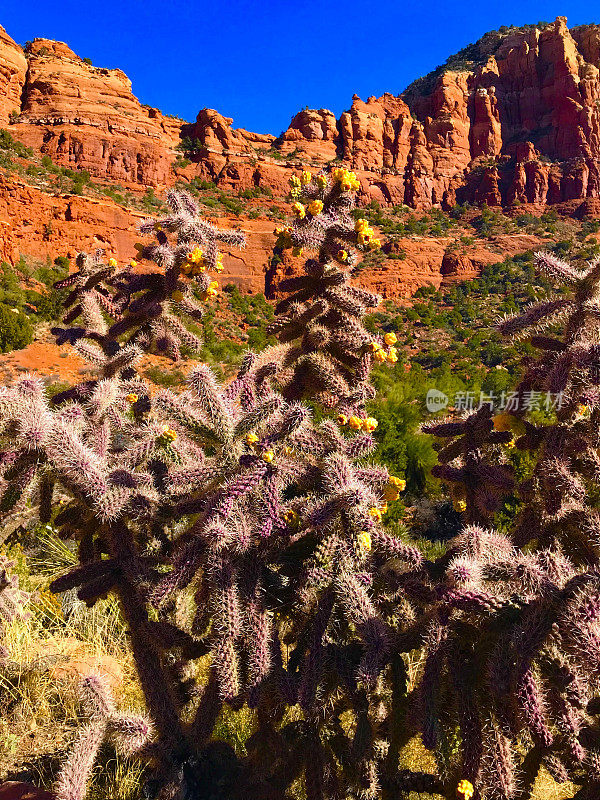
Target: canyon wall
x: 519, y: 123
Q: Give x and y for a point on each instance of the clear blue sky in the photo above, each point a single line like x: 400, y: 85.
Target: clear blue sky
x: 260, y: 62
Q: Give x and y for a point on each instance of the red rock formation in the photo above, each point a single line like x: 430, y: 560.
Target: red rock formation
x: 458, y: 135
x: 86, y: 117
x: 13, y: 66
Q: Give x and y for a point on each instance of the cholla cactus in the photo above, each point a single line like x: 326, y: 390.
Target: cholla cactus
x: 512, y: 647
x: 466, y: 463
x: 271, y: 522
x: 12, y: 600
x: 129, y: 733
x: 329, y: 353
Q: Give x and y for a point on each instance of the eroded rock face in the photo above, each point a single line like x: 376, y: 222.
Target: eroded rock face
x: 13, y: 66
x: 521, y: 124
x: 86, y: 117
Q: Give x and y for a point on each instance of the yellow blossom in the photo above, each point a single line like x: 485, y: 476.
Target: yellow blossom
x: 369, y: 424
x: 268, y: 456
x: 392, y: 356
x: 355, y: 423
x: 380, y: 356
x: 375, y: 244
x: 297, y: 251
x: 459, y: 505
x: 361, y: 224
x: 398, y: 483
x: 375, y: 513
x: 291, y: 517
x: 374, y: 346
x: 342, y: 419
x: 321, y: 181
x: 364, y: 541
x: 465, y: 790
x: 169, y: 434
x: 390, y: 338
x: 295, y: 181
x: 133, y: 263
x: 112, y: 262
x: 132, y: 398
x: 299, y: 210
x: 315, y: 207
x: 305, y: 178
x: 251, y: 439
x: 342, y: 255
x: 383, y: 508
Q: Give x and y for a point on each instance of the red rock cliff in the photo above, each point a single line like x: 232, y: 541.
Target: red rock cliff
x: 516, y: 119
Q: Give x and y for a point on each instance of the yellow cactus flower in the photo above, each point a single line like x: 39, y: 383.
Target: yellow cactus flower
x: 132, y: 398
x: 398, y: 483
x: 299, y: 210
x: 195, y: 255
x: 112, y: 262
x: 459, y: 506
x: 392, y: 356
x: 390, y: 338
x: 214, y: 284
x: 364, y: 541
x: 380, y: 356
x: 355, y: 423
x: 369, y: 424
x: 305, y: 178
x: 295, y: 182
x: 321, y: 181
x: 465, y: 790
x: 383, y: 508
x: 268, y: 456
x: 375, y: 513
x: 251, y: 439
x: 374, y: 346
x: 198, y: 269
x: 177, y: 296
x: 342, y: 419
x: 291, y: 517
x: 361, y: 224
x: 342, y: 256
x: 297, y: 251
x: 133, y: 263
x: 169, y: 434
x: 582, y: 409
x: 315, y: 207
x: 375, y: 244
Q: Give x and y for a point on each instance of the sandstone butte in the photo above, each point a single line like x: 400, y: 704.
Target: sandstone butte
x: 512, y: 118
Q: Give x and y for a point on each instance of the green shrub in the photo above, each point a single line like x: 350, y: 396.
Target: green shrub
x: 16, y: 330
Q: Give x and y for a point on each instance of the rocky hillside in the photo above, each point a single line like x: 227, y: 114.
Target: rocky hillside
x: 511, y: 121
x: 515, y: 116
